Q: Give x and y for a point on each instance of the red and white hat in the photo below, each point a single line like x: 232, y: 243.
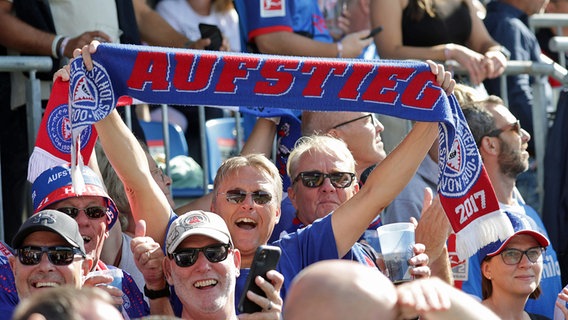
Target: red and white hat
x: 54, y: 185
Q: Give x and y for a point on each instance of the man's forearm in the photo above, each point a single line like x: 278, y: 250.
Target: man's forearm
x: 18, y: 35
x: 156, y: 31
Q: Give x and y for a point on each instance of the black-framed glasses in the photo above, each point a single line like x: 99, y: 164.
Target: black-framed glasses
x: 515, y: 126
x: 237, y: 196
x: 57, y: 255
x: 514, y: 256
x: 188, y: 256
x: 314, y: 179
x: 372, y: 116
x: 95, y: 212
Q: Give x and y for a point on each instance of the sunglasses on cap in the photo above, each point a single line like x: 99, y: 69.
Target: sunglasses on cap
x: 314, y: 179
x: 188, y: 256
x: 91, y: 212
x: 57, y: 255
x: 238, y: 196
x: 514, y: 256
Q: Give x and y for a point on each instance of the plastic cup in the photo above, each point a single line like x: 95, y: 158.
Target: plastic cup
x: 116, y: 275
x: 332, y: 10
x: 397, y: 242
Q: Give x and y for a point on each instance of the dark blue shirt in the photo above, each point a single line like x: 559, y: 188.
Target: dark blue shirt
x: 508, y: 26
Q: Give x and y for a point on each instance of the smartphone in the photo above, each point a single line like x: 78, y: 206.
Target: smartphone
x: 373, y: 32
x: 212, y: 32
x: 265, y: 259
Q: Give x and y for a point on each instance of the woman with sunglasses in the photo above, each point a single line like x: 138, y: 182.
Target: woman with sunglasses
x: 511, y: 270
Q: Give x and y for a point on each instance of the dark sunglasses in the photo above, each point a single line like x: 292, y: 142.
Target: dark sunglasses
x: 515, y: 126
x: 238, y: 196
x: 91, y: 212
x: 188, y: 256
x: 58, y: 255
x: 514, y: 256
x: 356, y: 119
x: 314, y: 179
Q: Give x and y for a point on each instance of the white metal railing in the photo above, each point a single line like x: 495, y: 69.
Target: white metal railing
x: 33, y: 100
x: 551, y: 20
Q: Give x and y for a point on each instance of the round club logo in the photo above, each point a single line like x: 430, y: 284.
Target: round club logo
x: 59, y: 130
x: 91, y: 94
x: 461, y: 165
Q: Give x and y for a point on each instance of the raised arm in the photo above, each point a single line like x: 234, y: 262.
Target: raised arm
x: 129, y: 161
x: 388, y: 179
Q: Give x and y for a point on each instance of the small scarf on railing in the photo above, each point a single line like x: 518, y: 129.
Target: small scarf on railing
x: 404, y: 89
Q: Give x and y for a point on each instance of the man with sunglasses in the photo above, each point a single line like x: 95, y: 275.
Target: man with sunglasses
x: 48, y: 252
x: 502, y: 144
x: 203, y: 265
x: 94, y: 213
x: 323, y: 177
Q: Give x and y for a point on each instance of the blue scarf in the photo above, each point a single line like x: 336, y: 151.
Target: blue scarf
x: 264, y: 83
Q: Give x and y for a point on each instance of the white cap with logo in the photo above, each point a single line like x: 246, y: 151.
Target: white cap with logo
x: 197, y: 222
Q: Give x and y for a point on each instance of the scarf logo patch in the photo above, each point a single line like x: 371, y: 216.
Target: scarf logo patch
x: 92, y: 96
x: 59, y: 130
x: 463, y: 165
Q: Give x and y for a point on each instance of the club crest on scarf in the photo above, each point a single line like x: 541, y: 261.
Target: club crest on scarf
x: 462, y: 163
x: 91, y: 95
x: 59, y: 130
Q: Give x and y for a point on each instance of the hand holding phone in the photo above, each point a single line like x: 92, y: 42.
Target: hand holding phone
x: 265, y: 259
x: 373, y: 32
x: 212, y: 32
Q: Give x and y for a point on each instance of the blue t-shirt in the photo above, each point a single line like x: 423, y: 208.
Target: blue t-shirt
x: 508, y: 25
x: 8, y: 294
x: 266, y: 16
x: 550, y: 282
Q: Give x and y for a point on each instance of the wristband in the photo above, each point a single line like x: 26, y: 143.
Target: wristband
x: 339, y: 49
x: 62, y: 46
x: 156, y: 294
x: 503, y: 50
x: 55, y: 45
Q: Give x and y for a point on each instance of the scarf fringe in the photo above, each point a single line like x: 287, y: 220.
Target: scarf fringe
x: 481, y: 232
x: 41, y: 160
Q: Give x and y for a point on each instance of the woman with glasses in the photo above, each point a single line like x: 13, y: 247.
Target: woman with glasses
x: 511, y: 270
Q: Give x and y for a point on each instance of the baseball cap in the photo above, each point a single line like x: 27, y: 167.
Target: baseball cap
x: 54, y: 184
x: 52, y: 221
x: 522, y: 224
x: 197, y: 222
